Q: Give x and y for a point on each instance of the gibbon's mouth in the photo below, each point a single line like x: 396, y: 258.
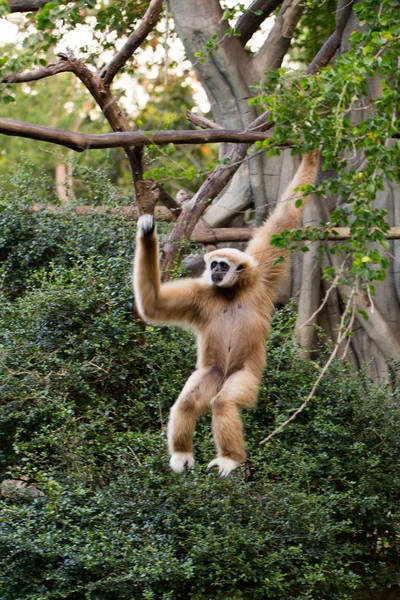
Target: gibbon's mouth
x: 217, y: 277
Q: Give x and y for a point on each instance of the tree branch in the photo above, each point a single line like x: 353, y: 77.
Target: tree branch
x: 344, y: 332
x: 249, y: 22
x: 81, y: 141
x: 272, y: 52
x: 61, y: 66
x: 128, y: 212
x: 26, y: 6
x: 201, y: 233
x: 205, y: 235
x: 160, y: 194
x: 148, y: 22
x: 328, y: 50
x: 201, y: 121
x: 191, y: 213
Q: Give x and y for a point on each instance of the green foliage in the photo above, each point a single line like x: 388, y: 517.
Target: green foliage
x: 106, y: 22
x: 178, y: 166
x: 313, y: 29
x: 316, y: 110
x: 34, y: 103
x: 86, y: 390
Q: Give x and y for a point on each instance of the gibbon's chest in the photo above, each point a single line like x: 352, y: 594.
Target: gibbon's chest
x: 233, y: 335
x: 234, y: 322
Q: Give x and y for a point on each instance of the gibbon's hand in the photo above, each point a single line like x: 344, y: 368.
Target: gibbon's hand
x: 146, y: 226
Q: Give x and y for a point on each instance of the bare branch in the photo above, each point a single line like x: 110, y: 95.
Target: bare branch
x: 202, y: 121
x: 160, y: 194
x: 148, y: 22
x: 26, y: 6
x: 326, y: 53
x: 328, y: 50
x: 250, y: 21
x: 244, y: 234
x: 80, y: 141
x: 191, y: 213
x: 61, y: 66
x: 201, y: 234
x: 272, y: 52
x: 127, y: 212
x: 342, y: 14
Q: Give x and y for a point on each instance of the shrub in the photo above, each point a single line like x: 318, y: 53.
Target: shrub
x: 86, y: 390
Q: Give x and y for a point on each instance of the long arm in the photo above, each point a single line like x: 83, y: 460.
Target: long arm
x: 173, y: 302
x: 285, y: 216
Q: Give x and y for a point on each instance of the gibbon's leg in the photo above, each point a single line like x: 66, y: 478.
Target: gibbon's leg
x: 194, y: 399
x: 239, y: 391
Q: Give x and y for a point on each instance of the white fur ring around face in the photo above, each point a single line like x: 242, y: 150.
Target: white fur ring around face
x: 146, y: 225
x: 181, y: 461
x: 225, y: 466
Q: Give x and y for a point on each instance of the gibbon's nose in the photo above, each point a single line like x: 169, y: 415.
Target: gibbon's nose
x: 217, y: 277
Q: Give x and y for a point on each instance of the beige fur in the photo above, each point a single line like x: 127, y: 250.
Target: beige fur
x: 231, y: 318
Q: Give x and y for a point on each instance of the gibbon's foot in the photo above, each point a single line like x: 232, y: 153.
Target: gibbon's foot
x: 181, y: 461
x: 225, y: 466
x: 146, y: 225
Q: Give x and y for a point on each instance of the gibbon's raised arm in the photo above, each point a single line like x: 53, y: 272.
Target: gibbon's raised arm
x: 285, y: 216
x: 174, y: 302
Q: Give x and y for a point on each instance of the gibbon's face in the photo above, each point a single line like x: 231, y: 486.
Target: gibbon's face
x: 223, y: 267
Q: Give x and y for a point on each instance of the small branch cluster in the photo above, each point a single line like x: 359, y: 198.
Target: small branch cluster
x: 346, y: 325
x: 98, y: 84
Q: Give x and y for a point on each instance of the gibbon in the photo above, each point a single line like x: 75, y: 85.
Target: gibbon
x: 230, y: 309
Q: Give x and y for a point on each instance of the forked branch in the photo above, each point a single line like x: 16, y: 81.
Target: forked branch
x: 255, y: 15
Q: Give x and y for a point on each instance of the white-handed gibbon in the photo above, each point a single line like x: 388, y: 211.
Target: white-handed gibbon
x: 230, y: 309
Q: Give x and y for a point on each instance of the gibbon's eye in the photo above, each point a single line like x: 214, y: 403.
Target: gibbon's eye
x: 240, y: 268
x: 213, y: 264
x: 224, y: 266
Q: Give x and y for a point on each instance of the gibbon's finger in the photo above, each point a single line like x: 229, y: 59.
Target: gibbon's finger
x: 146, y: 225
x: 225, y: 466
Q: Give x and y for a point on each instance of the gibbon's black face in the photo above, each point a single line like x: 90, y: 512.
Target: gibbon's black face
x: 223, y: 272
x: 225, y: 267
x: 218, y: 270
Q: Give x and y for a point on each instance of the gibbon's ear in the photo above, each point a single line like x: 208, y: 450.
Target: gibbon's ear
x: 146, y: 225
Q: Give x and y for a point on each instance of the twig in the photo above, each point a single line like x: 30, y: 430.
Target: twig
x: 134, y: 454
x: 326, y: 297
x: 342, y: 334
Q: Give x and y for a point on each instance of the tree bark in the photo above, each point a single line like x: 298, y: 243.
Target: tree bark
x: 259, y: 181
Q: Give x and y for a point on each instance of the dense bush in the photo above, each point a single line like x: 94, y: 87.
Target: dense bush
x: 85, y: 394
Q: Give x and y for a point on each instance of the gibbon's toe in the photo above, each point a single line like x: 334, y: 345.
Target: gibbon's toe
x: 181, y: 461
x: 146, y: 225
x: 225, y: 466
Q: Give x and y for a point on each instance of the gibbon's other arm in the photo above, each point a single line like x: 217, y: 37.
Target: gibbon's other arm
x: 175, y: 302
x: 285, y: 216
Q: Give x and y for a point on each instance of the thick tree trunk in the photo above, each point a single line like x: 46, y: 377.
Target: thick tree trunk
x: 227, y: 76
